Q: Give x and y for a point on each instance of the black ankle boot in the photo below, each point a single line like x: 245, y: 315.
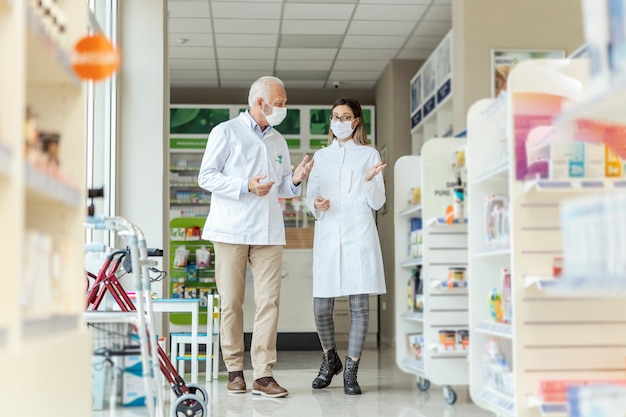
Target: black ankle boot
x: 331, y: 366
x: 350, y: 386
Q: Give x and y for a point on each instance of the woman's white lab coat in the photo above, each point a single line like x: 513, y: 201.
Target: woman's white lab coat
x: 346, y: 251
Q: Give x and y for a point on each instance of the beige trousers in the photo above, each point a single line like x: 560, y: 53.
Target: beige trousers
x: 230, y: 276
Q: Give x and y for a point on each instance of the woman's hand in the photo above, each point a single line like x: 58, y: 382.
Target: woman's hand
x: 373, y: 171
x: 321, y: 204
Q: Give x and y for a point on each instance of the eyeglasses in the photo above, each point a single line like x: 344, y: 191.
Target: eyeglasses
x: 335, y: 118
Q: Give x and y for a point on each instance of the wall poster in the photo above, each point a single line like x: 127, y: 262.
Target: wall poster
x: 503, y: 61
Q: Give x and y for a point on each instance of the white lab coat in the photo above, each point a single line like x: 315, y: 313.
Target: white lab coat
x: 235, y: 153
x: 346, y: 251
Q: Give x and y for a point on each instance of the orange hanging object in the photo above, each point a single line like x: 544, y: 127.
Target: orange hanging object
x: 94, y: 58
x: 449, y: 215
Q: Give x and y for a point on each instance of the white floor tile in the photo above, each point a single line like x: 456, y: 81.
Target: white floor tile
x: 387, y: 391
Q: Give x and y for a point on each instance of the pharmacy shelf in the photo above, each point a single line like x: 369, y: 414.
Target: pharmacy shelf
x: 605, y: 106
x: 502, y: 330
x: 419, y: 317
x: 548, y: 409
x: 499, y: 172
x: 499, y: 403
x: 185, y: 169
x: 585, y: 287
x: 495, y: 251
x: 42, y: 187
x: 540, y: 282
x: 546, y: 322
x: 440, y: 221
x: 411, y: 262
x: 456, y: 287
x: 189, y: 203
x: 414, y: 365
x: 416, y: 209
x: 589, y: 185
x: 48, y: 61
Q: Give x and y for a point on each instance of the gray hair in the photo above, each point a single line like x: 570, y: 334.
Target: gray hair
x: 261, y: 88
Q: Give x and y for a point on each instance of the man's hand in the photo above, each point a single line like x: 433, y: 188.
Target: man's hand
x: 321, y: 204
x: 255, y: 186
x: 373, y: 171
x: 302, y: 171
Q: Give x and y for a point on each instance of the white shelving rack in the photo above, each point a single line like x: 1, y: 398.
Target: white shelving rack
x: 44, y: 344
x: 551, y: 337
x: 444, y: 246
x: 407, y: 174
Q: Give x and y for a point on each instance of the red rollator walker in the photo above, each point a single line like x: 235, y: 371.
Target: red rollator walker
x: 191, y: 399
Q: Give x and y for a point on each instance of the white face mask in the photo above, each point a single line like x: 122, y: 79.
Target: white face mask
x: 341, y: 130
x: 277, y: 116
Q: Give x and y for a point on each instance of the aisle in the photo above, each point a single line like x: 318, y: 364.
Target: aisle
x: 387, y: 392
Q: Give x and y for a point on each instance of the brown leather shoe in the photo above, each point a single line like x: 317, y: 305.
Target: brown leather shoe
x: 236, y: 383
x: 268, y: 387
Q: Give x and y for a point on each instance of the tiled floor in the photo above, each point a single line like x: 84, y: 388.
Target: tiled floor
x: 387, y: 391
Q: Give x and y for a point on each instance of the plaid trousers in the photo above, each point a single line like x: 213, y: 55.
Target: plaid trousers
x: 359, y: 315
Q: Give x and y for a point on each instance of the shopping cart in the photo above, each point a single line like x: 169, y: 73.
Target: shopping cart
x: 191, y: 399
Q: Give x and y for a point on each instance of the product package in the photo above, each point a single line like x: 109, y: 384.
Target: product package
x: 203, y: 257
x: 181, y: 256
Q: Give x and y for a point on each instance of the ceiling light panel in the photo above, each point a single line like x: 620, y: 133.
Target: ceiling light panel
x: 439, y: 14
x: 391, y: 2
x: 246, y: 26
x: 335, y: 11
x: 193, y: 84
x: 192, y: 75
x: 423, y: 42
x: 245, y: 41
x: 360, y: 65
x: 245, y: 53
x: 312, y: 53
x: 305, y: 41
x: 314, y: 27
x: 303, y: 84
x: 303, y: 65
x: 242, y: 75
x: 241, y: 64
x: 302, y: 75
x: 392, y: 42
x: 433, y: 29
x: 403, y: 28
x: 189, y: 9
x: 190, y: 26
x: 321, y: 1
x: 192, y: 64
x: 191, y: 52
x: 249, y: 10
x: 361, y: 53
x: 355, y: 75
x: 389, y: 12
x: 193, y: 39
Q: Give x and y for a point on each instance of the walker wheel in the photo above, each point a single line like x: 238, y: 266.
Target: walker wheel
x: 423, y: 384
x: 449, y: 395
x: 199, y: 390
x: 189, y: 405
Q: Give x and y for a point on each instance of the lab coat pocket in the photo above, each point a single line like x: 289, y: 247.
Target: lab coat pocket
x: 350, y: 183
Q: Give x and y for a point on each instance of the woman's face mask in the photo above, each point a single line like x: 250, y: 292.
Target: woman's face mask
x: 341, y: 130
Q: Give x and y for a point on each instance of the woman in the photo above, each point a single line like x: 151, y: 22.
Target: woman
x: 345, y: 185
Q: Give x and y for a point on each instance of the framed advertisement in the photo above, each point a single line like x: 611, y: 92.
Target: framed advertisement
x: 416, y: 93
x: 503, y: 61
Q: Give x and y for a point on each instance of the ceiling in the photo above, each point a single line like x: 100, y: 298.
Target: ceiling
x: 306, y: 43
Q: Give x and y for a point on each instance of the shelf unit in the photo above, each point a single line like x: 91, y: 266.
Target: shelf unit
x: 407, y: 174
x: 431, y: 91
x: 46, y: 322
x: 445, y: 246
x: 551, y: 336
